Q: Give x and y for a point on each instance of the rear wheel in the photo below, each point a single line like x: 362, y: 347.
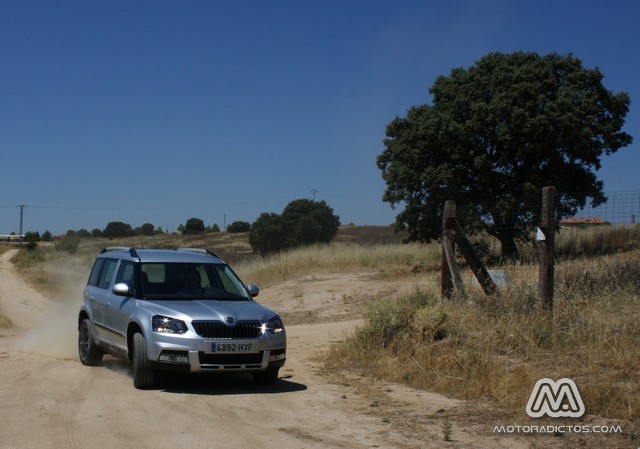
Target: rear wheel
x: 90, y: 354
x: 266, y: 378
x: 143, y: 374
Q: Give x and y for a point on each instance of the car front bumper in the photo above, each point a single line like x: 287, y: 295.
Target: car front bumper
x: 187, y: 353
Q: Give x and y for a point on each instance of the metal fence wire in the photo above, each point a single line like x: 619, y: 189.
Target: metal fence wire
x: 620, y: 208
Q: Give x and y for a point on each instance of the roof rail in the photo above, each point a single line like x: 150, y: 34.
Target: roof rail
x: 199, y: 251
x: 131, y: 251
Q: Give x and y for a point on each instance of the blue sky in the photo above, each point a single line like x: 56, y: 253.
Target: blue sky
x: 159, y: 111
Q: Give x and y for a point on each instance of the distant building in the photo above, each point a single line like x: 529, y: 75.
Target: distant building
x: 11, y: 238
x: 574, y: 222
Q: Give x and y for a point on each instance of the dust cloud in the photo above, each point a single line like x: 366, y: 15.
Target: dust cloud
x: 55, y: 333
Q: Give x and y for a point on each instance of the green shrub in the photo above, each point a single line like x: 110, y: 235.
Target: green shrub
x: 69, y: 243
x: 391, y: 320
x: 25, y: 259
x: 430, y: 323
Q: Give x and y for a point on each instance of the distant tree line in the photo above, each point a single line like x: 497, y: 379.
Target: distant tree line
x: 303, y: 222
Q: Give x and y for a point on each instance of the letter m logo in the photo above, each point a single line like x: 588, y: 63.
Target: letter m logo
x: 559, y: 399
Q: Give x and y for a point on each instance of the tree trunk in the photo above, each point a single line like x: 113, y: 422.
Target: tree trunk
x: 509, y: 248
x: 505, y: 232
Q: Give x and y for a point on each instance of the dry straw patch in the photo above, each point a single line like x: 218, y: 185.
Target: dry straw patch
x: 497, y: 347
x: 597, y: 240
x: 5, y: 321
x: 385, y: 259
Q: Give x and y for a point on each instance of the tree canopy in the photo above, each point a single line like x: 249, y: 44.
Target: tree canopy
x: 308, y: 222
x: 146, y: 229
x: 194, y: 226
x: 117, y: 229
x: 267, y: 234
x: 239, y: 226
x: 303, y: 222
x: 494, y: 135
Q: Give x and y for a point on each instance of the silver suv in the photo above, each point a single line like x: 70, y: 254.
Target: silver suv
x: 177, y: 310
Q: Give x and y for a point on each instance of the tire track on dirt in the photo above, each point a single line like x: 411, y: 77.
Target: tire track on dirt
x: 18, y: 300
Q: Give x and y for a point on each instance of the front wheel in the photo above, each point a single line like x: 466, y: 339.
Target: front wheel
x: 90, y: 354
x: 143, y: 374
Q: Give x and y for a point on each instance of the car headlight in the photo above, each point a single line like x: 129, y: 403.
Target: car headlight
x: 168, y: 325
x: 273, y: 326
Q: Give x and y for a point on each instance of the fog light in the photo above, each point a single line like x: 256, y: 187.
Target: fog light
x: 174, y: 357
x: 276, y: 355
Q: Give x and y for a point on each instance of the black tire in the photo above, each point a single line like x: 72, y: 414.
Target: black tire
x: 143, y: 374
x: 266, y: 378
x: 90, y: 354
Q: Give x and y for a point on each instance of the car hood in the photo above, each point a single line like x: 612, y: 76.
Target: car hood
x: 210, y: 310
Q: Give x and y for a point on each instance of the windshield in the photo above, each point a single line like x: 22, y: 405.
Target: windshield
x: 191, y: 281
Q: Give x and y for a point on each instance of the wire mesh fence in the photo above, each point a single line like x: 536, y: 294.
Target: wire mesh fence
x: 611, y: 226
x: 620, y: 208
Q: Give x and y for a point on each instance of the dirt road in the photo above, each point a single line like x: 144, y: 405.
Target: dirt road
x: 49, y: 400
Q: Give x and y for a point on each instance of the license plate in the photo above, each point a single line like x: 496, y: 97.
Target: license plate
x: 232, y: 348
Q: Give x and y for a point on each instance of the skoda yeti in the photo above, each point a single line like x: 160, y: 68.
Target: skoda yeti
x: 177, y: 310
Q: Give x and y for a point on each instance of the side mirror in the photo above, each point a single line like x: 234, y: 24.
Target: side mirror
x: 253, y: 290
x: 122, y: 289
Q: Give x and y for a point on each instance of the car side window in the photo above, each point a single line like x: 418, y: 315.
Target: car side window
x: 125, y: 273
x: 107, y: 273
x: 230, y: 282
x: 95, y: 272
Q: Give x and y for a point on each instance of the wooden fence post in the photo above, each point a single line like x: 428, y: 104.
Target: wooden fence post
x: 448, y: 242
x: 446, y: 280
x: 478, y: 269
x: 546, y: 240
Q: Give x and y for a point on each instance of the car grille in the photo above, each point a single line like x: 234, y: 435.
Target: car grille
x: 244, y: 330
x: 231, y: 360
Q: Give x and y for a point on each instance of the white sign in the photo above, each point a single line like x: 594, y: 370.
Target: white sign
x: 499, y: 277
x: 559, y: 399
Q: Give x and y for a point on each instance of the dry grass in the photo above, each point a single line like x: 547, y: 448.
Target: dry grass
x: 5, y: 322
x: 56, y: 274
x: 496, y: 348
x: 384, y: 259
x: 597, y: 240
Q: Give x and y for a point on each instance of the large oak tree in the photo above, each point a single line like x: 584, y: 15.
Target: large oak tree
x: 494, y: 135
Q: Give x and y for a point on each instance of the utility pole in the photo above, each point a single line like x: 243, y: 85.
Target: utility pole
x: 313, y: 192
x: 21, y: 206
